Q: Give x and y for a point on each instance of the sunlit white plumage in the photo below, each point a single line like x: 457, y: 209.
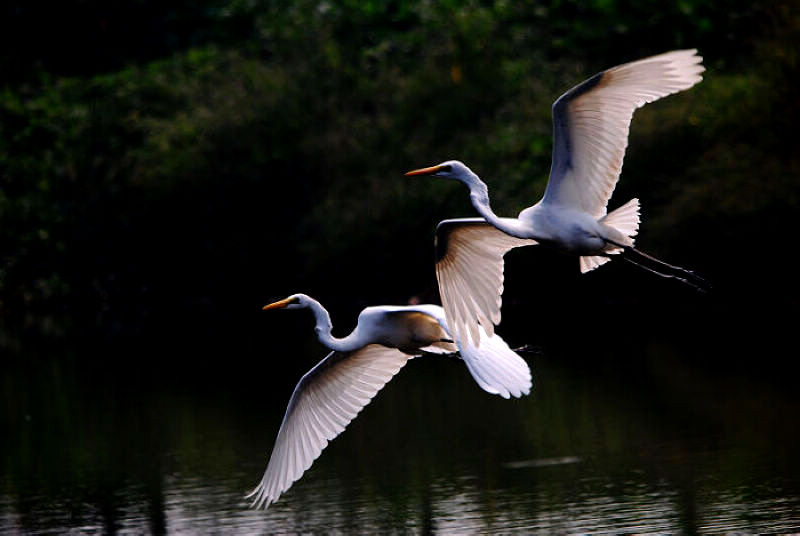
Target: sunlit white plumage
x: 332, y: 393
x: 590, y: 134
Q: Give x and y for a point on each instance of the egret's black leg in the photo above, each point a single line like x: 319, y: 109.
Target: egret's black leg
x: 456, y: 355
x: 528, y: 349
x: 690, y: 278
x: 662, y: 274
x: 690, y: 273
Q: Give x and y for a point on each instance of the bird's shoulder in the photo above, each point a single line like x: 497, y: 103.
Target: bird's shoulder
x: 380, y: 312
x: 448, y: 226
x: 573, y: 93
x: 372, y: 313
x: 447, y: 229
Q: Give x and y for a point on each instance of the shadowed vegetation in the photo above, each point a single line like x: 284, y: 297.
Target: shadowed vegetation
x: 205, y: 159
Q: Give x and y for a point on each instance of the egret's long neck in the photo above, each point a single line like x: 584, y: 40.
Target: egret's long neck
x: 479, y: 194
x: 324, y: 327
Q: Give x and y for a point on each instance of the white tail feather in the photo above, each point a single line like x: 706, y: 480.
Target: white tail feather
x: 626, y: 220
x: 589, y: 263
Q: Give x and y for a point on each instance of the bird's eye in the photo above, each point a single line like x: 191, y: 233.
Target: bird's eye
x: 446, y: 167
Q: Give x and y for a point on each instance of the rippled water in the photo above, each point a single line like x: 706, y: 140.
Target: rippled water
x: 195, y: 505
x: 663, y: 448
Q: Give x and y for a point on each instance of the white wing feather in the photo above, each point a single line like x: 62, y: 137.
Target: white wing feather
x: 496, y: 367
x: 470, y: 273
x: 591, y: 123
x: 324, y: 402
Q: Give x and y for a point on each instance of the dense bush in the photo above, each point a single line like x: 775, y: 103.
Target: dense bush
x: 207, y: 158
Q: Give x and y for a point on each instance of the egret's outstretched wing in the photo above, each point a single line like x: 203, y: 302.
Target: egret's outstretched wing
x: 591, y: 123
x: 469, y: 267
x: 324, y: 402
x: 496, y: 367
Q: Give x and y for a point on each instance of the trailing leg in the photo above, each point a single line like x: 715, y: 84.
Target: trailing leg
x: 686, y: 276
x: 663, y: 274
x: 689, y: 273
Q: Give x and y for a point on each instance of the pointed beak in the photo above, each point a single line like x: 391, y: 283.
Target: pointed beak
x: 278, y: 304
x: 424, y: 171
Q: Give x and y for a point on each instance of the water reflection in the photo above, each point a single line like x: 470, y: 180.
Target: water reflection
x: 590, y: 451
x: 542, y: 462
x: 193, y: 505
x: 527, y: 512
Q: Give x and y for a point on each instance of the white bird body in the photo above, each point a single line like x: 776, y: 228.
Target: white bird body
x: 332, y: 393
x: 590, y: 134
x: 566, y: 228
x: 407, y: 328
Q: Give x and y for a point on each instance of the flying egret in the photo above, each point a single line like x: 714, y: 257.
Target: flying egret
x: 332, y: 393
x: 590, y: 134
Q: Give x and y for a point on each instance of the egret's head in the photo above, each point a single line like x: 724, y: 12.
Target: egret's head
x: 451, y: 169
x: 295, y: 301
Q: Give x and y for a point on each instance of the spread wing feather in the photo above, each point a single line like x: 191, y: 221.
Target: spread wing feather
x: 591, y: 123
x: 496, y: 367
x: 324, y: 402
x: 469, y: 268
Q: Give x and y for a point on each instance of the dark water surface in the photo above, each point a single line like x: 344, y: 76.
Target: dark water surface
x: 656, y: 435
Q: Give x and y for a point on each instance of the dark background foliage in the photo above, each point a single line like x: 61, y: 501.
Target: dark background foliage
x: 195, y: 160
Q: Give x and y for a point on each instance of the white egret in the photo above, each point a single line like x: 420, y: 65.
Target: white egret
x: 590, y: 134
x: 332, y: 393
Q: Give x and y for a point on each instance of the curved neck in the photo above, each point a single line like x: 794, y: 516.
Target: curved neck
x: 479, y: 195
x: 324, y: 326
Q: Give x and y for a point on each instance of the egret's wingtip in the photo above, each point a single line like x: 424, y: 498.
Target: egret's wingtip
x: 260, y: 500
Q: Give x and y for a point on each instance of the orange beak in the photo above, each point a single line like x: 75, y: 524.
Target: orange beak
x: 424, y: 171
x: 278, y: 304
